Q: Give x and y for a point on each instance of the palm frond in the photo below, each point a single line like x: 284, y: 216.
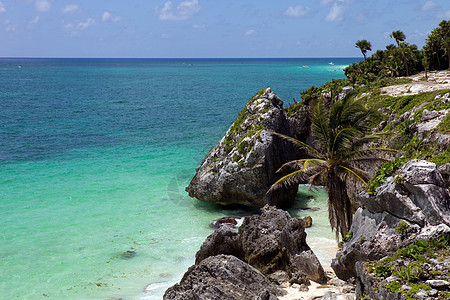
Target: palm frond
x: 319, y: 178
x: 310, y: 150
x: 295, y: 177
x: 299, y: 164
x: 320, y: 125
x: 356, y: 173
x: 368, y: 139
x: 361, y: 152
x: 343, y: 140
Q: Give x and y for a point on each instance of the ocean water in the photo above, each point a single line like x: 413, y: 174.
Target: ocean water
x: 95, y: 155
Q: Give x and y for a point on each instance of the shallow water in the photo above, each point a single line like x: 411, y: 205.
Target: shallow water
x: 94, y: 159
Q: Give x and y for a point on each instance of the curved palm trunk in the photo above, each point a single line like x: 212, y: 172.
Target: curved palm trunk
x: 339, y: 205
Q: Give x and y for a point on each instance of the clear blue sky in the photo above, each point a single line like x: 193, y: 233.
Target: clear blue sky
x: 210, y: 28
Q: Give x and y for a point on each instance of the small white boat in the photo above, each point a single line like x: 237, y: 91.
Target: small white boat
x: 331, y: 63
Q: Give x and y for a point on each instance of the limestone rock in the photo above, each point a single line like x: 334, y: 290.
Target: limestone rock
x: 345, y: 91
x: 242, y: 167
x: 222, y: 277
x: 445, y: 172
x: 416, y: 196
x: 275, y: 241
x: 224, y: 240
x: 368, y: 285
x: 417, y: 193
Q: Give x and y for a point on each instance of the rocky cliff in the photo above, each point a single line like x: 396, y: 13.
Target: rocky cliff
x: 242, y: 166
x: 411, y: 206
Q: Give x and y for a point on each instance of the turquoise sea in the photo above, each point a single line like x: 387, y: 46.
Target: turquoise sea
x: 95, y: 155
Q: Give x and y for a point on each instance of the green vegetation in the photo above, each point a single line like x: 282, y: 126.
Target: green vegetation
x: 348, y: 236
x: 341, y: 129
x: 407, y: 266
x: 383, y: 172
x: 235, y: 138
x: 402, y: 228
x: 403, y: 59
x: 364, y: 46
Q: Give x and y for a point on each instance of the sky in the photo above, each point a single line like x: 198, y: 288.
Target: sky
x: 210, y: 28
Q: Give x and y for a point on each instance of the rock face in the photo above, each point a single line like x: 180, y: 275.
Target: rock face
x: 223, y: 277
x: 270, y: 242
x: 413, y: 204
x: 236, y: 264
x: 242, y: 167
x: 224, y: 240
x: 274, y: 241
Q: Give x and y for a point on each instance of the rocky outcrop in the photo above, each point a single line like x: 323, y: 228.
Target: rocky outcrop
x: 274, y: 241
x: 223, y: 277
x: 272, y: 244
x: 224, y: 240
x: 242, y: 167
x: 412, y: 204
x: 405, y: 278
x: 445, y: 172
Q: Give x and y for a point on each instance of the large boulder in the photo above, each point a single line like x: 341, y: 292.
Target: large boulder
x: 223, y: 277
x: 270, y: 242
x: 275, y: 241
x: 410, y: 205
x: 243, y: 165
x: 224, y: 240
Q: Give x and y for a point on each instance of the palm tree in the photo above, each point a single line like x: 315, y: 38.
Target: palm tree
x: 340, y: 129
x: 398, y: 36
x: 364, y: 46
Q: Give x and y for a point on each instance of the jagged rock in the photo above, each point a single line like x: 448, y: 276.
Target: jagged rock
x: 300, y: 124
x: 417, y: 193
x: 299, y: 278
x: 265, y: 295
x: 368, y: 285
x: 279, y: 277
x: 425, y: 129
x: 445, y: 172
x: 428, y: 115
x: 223, y: 277
x: 274, y: 241
x: 242, y: 167
x: 416, y: 197
x: 374, y: 236
x: 224, y: 240
x: 334, y: 296
x: 438, y: 283
x: 345, y: 91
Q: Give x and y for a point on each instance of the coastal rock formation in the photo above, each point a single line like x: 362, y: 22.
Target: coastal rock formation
x: 413, y: 204
x: 275, y: 241
x: 429, y: 277
x: 242, y: 167
x: 224, y: 240
x: 270, y: 242
x: 271, y: 245
x: 223, y: 277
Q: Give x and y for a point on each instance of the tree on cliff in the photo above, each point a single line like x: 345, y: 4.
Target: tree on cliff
x: 398, y: 36
x: 437, y: 46
x: 364, y: 46
x: 341, y: 129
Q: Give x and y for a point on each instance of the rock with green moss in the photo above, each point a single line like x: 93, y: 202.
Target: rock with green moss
x: 243, y: 165
x: 402, y: 211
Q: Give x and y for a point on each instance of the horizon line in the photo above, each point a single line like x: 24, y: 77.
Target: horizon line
x: 68, y: 57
